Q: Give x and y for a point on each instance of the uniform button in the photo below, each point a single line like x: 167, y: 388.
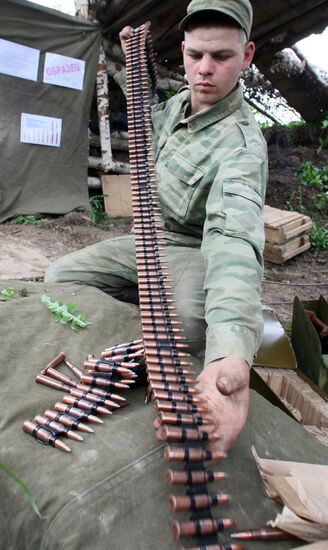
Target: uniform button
x: 244, y: 122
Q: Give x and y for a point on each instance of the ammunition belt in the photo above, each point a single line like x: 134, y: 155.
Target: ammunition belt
x: 171, y: 384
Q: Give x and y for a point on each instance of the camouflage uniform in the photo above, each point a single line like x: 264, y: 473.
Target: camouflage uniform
x: 212, y: 172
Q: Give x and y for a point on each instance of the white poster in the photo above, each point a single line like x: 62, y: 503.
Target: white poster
x: 40, y: 130
x: 64, y: 71
x: 18, y: 60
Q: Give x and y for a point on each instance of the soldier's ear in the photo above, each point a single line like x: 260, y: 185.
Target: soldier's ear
x: 183, y: 46
x: 248, y: 55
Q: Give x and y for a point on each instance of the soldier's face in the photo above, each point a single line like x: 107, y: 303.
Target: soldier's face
x: 214, y: 58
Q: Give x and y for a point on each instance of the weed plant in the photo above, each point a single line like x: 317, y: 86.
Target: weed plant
x: 319, y: 238
x: 98, y: 214
x: 24, y: 220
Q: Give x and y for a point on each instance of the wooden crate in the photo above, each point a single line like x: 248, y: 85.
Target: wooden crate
x: 285, y: 234
x: 293, y: 392
x: 280, y: 253
x: 117, y: 191
x: 277, y: 376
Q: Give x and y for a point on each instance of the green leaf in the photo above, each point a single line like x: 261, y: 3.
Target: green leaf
x: 7, y: 294
x: 63, y: 313
x: 24, y: 220
x: 24, y: 488
x: 98, y: 214
x: 71, y: 308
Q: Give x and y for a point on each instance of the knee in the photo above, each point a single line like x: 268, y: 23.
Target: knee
x: 52, y: 275
x: 58, y: 273
x: 191, y: 315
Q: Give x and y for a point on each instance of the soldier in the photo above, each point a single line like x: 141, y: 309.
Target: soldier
x: 211, y: 165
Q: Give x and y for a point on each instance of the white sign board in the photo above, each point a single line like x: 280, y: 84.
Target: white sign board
x: 40, y: 130
x: 64, y: 71
x: 18, y: 60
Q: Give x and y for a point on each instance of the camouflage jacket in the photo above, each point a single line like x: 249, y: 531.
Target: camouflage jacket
x: 212, y: 173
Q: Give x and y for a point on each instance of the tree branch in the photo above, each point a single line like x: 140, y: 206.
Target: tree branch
x: 262, y: 111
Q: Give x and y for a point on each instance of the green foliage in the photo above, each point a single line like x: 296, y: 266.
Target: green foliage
x: 98, y: 214
x: 6, y: 294
x: 168, y: 94
x: 323, y: 139
x: 23, y: 486
x: 286, y: 132
x: 298, y: 206
x: 310, y: 175
x: 264, y: 125
x: 24, y: 220
x: 288, y: 329
x: 319, y: 238
x: 63, y: 313
x: 290, y: 130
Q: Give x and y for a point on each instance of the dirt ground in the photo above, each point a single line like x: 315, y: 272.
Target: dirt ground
x: 27, y: 250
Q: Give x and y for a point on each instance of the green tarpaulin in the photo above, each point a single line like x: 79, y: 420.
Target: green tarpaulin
x: 38, y: 178
x: 109, y: 493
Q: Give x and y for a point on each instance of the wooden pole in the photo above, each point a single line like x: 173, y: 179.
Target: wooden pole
x: 103, y: 113
x: 116, y: 167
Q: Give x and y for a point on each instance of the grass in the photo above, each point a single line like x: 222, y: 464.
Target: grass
x: 319, y: 238
x: 6, y: 294
x: 24, y: 220
x: 98, y: 213
x: 26, y: 490
x: 312, y: 189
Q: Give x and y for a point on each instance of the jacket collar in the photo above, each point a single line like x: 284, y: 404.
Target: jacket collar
x: 213, y: 114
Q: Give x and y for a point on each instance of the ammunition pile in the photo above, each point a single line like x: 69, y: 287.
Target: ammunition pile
x: 172, y: 386
x: 87, y: 396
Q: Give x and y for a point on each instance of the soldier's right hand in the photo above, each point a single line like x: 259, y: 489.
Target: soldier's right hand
x: 124, y: 35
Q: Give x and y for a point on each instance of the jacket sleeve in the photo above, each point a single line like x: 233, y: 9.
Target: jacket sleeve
x: 232, y: 248
x: 120, y: 79
x: 157, y: 110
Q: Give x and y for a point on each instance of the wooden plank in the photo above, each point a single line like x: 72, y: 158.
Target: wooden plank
x: 304, y: 227
x: 288, y: 231
x: 303, y: 248
x: 118, y: 190
x: 281, y: 226
x: 298, y: 395
x: 280, y: 253
x: 274, y: 217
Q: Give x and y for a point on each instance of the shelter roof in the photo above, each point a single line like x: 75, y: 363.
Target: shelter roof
x: 277, y: 24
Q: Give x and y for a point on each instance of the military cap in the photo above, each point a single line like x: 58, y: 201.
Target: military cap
x: 239, y: 10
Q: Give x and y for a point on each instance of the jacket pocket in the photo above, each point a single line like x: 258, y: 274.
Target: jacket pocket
x: 179, y: 180
x: 243, y: 209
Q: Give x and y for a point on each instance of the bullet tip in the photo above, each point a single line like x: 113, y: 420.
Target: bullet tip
x: 239, y: 536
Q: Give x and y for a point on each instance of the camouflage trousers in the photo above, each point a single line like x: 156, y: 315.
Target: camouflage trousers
x: 111, y: 266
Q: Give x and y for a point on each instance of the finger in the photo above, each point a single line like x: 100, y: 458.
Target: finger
x: 157, y: 423
x: 159, y: 435
x: 228, y: 385
x: 221, y: 444
x: 126, y: 34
